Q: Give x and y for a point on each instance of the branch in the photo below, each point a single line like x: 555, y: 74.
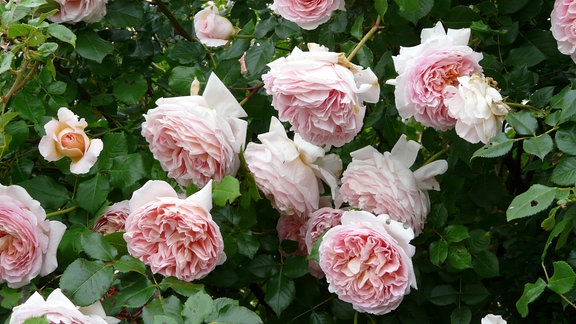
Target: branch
x: 364, y: 39
x: 179, y: 30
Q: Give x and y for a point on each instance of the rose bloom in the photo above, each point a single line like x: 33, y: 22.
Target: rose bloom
x: 287, y: 171
x: 493, y: 319
x: 113, y: 218
x: 57, y: 308
x: 197, y: 138
x: 367, y: 261
x: 477, y: 106
x: 73, y: 11
x: 28, y: 241
x: 384, y: 184
x: 321, y: 94
x: 211, y: 28
x: 425, y: 70
x: 562, y: 20
x: 305, y: 13
x: 66, y: 137
x: 175, y: 237
x: 319, y: 222
x: 292, y: 228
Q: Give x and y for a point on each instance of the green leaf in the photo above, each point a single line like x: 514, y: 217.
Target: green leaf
x: 62, y: 33
x: 197, y: 307
x: 459, y: 257
x: 128, y: 263
x: 486, y: 264
x: 29, y: 106
x: 539, y: 146
x: 461, y: 315
x: 96, y: 247
x: 10, y: 297
x: 523, y: 122
x: 263, y: 266
x: 474, y: 293
x: 180, y: 79
x: 47, y: 191
x: 295, y: 266
x: 85, y: 282
x: 247, y: 244
x: 357, y: 29
x: 226, y: 191
x: 170, y: 306
x: 438, y: 252
x: 563, y: 278
x: 6, y: 61
x: 408, y: 5
x: 20, y: 30
x: 91, y: 46
x: 182, y: 287
x: 92, y: 193
x: 566, y: 101
x: 566, y: 138
x: 280, y: 292
x: 126, y: 13
x: 47, y: 48
x: 536, y: 199
x: 381, y: 7
x: 565, y: 224
x: 37, y: 320
x: 496, y: 147
x: 479, y: 240
x: 126, y: 170
x: 258, y: 55
x: 130, y: 87
x: 443, y: 295
x: 228, y: 311
x: 456, y: 233
x: 115, y: 144
x: 565, y: 172
x: 531, y: 292
x: 414, y: 9
x: 186, y: 52
x: 32, y: 3
x: 528, y: 55
x: 136, y: 293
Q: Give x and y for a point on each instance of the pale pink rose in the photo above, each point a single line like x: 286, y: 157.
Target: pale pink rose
x: 66, y: 137
x: 321, y: 94
x: 305, y: 13
x: 477, y: 106
x: 292, y: 228
x: 197, y: 138
x: 73, y: 11
x: 425, y: 70
x: 113, y: 218
x: 175, y: 237
x: 367, y: 261
x: 288, y: 172
x: 319, y: 222
x: 563, y: 26
x: 384, y: 184
x: 493, y: 319
x: 211, y: 28
x: 28, y: 241
x: 59, y: 309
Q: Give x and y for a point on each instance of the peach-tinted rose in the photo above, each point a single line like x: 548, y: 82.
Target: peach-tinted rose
x: 292, y: 228
x: 28, y: 241
x: 562, y: 20
x: 367, y: 261
x: 211, y: 28
x: 197, y: 138
x: 73, y: 11
x: 319, y: 222
x: 113, y: 218
x: 384, y: 184
x: 287, y: 171
x: 305, y: 13
x: 59, y: 309
x: 321, y: 94
x: 425, y: 70
x: 175, y: 237
x: 66, y: 137
x: 477, y: 106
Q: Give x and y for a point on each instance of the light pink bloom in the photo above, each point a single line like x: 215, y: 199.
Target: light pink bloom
x: 425, y: 70
x: 66, y: 137
x: 292, y: 228
x: 73, y: 11
x: 211, y: 28
x: 305, y: 13
x: 321, y: 94
x: 319, y: 222
x: 59, y: 309
x: 562, y: 20
x: 367, y: 261
x: 113, y: 218
x: 287, y: 171
x: 477, y: 106
x: 384, y: 184
x: 175, y: 237
x: 197, y: 138
x: 28, y: 241
x: 492, y: 319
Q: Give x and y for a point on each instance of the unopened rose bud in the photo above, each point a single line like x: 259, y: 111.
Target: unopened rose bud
x: 211, y: 28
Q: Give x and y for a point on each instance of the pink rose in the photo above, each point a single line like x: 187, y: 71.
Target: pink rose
x: 59, y: 309
x: 305, y: 13
x: 175, y: 237
x: 197, y: 138
x: 66, y: 137
x: 293, y: 228
x: 384, y: 184
x: 319, y: 222
x: 562, y: 21
x: 477, y: 106
x: 28, y: 241
x: 73, y: 11
x: 367, y: 261
x: 211, y: 28
x: 425, y: 70
x: 287, y: 171
x: 113, y: 218
x: 321, y: 94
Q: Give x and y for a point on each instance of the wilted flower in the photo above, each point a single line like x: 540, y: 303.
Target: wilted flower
x: 66, y: 137
x: 305, y: 13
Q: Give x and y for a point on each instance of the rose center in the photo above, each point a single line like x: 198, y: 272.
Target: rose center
x: 73, y: 141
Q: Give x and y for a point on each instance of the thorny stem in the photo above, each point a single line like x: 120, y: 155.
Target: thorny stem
x: 364, y: 39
